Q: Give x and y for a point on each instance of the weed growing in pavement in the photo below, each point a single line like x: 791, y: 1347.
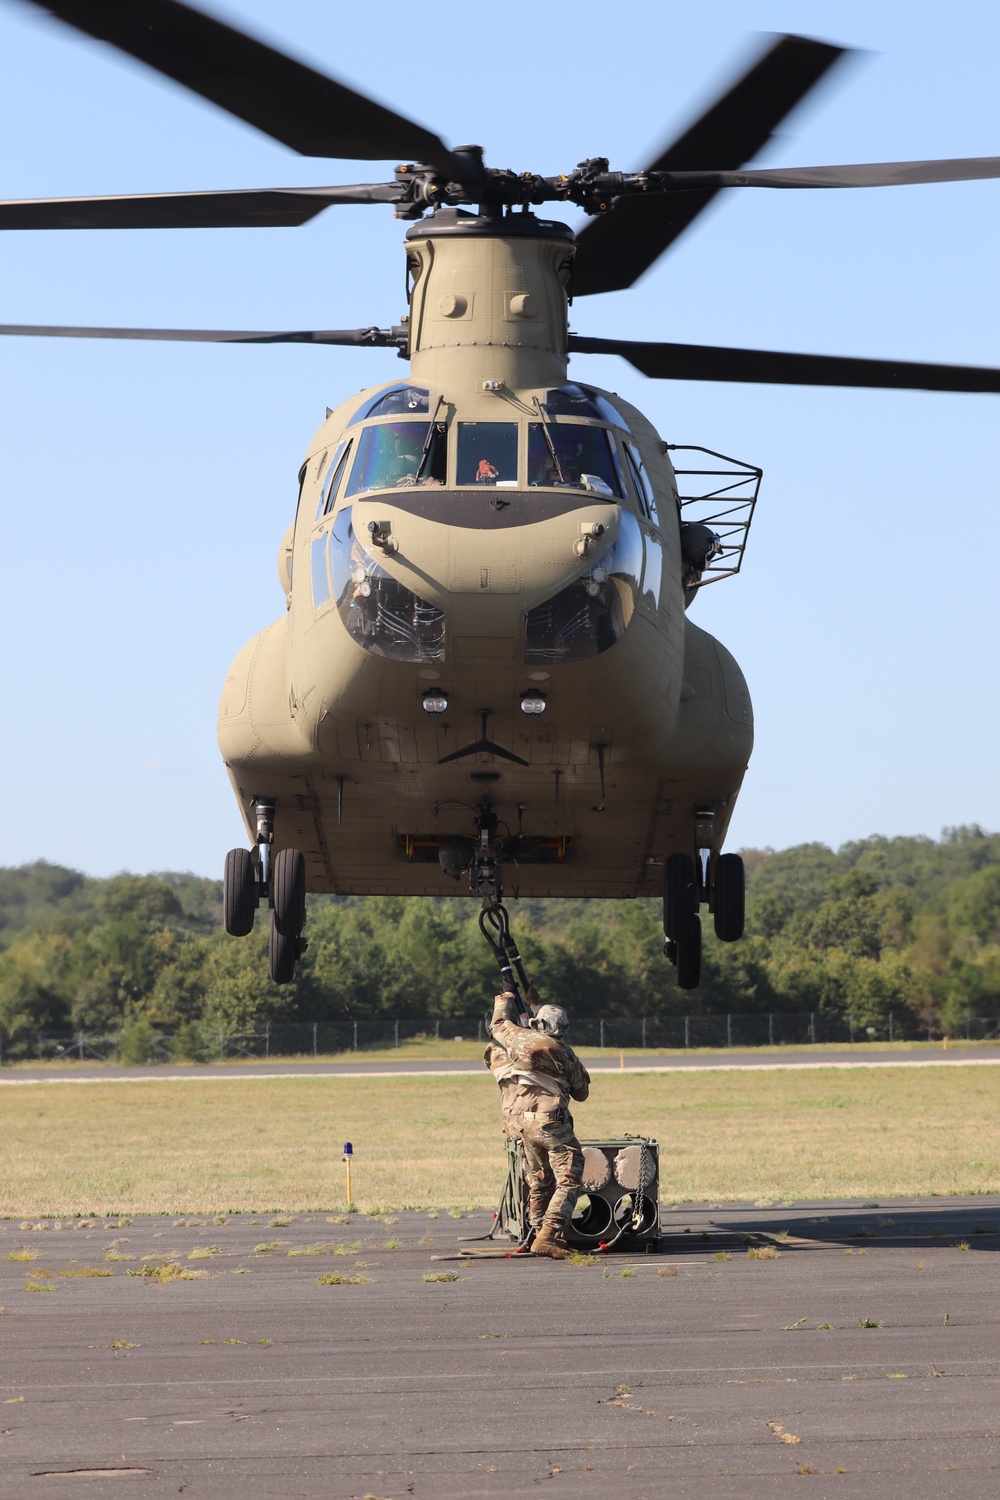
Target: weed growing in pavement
x: 267, y: 1246
x: 442, y: 1276
x: 280, y: 1223
x: 22, y: 1255
x: 38, y: 1286
x: 205, y: 1252
x: 332, y: 1278
x: 667, y: 1271
x: 869, y: 1323
x: 83, y: 1271
x: 791, y: 1327
x: 723, y: 1255
x: 763, y: 1252
x: 122, y: 1344
x: 963, y: 1245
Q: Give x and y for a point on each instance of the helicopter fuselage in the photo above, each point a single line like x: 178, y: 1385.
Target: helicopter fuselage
x: 486, y: 599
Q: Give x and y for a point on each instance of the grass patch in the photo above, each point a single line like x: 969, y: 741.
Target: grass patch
x: 38, y: 1286
x: 442, y: 1276
x: 762, y: 1252
x: 334, y: 1278
x: 250, y: 1144
x: 167, y: 1271
x: 86, y: 1271
x: 21, y: 1255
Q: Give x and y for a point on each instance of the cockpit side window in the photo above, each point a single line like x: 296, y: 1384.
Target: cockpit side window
x: 640, y: 479
x: 394, y: 454
x: 335, y: 474
x: 564, y: 455
x: 487, y: 454
x: 398, y: 401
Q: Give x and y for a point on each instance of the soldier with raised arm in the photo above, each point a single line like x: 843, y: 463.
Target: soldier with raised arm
x: 538, y: 1073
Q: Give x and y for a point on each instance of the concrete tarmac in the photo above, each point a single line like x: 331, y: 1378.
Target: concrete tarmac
x: 862, y: 1056
x: 857, y: 1357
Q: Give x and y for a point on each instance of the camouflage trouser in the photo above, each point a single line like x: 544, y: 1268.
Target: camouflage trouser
x: 553, y: 1164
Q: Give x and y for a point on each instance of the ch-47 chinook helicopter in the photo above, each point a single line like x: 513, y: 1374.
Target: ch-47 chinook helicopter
x: 485, y: 661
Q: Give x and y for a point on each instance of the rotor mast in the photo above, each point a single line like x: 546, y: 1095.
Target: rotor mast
x: 489, y: 299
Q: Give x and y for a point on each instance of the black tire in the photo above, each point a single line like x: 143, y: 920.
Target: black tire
x: 288, y: 883
x: 239, y: 893
x: 730, y: 898
x: 689, y: 956
x: 680, y: 895
x: 281, y: 954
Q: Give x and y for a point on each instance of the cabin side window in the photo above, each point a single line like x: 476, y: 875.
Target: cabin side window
x: 565, y: 455
x: 394, y: 454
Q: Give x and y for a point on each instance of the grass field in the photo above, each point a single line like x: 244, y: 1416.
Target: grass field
x: 275, y: 1144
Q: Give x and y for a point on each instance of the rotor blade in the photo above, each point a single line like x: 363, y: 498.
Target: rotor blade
x: 375, y: 337
x: 613, y: 252
x: 254, y: 208
x: 766, y: 367
x: 855, y: 174
x: 287, y: 100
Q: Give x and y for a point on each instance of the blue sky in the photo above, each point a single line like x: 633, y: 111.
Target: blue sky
x: 144, y: 489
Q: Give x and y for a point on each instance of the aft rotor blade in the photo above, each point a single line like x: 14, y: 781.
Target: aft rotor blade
x: 767, y: 367
x: 254, y: 208
x: 287, y: 100
x: 613, y: 252
x: 854, y: 175
x: 392, y: 338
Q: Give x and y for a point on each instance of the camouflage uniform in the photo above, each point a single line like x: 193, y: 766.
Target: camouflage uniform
x: 538, y: 1075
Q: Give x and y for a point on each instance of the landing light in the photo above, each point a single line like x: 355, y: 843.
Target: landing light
x: 533, y: 704
x: 435, y: 702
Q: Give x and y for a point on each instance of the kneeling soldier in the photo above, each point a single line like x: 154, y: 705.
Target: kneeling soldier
x: 538, y: 1073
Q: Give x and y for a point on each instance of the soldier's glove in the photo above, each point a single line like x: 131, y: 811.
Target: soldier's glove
x: 504, y: 1008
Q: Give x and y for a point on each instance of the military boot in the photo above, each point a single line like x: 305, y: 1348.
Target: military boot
x: 551, y: 1240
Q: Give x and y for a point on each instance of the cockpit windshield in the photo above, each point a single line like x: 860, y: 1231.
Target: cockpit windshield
x: 394, y: 454
x: 564, y: 455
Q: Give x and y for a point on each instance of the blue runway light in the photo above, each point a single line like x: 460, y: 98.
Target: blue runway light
x: 348, y: 1149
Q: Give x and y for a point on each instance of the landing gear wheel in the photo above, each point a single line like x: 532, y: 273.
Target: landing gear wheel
x: 680, y: 895
x: 689, y: 956
x: 730, y: 898
x: 280, y: 954
x: 289, y: 886
x: 285, y: 941
x: 239, y: 893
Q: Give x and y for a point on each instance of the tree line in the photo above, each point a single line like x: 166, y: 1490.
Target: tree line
x: 908, y: 925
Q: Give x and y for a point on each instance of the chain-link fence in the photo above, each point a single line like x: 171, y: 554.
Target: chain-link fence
x: 331, y: 1038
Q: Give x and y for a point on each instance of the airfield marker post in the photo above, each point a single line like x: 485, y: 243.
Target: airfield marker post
x: 396, y: 1025
x: 355, y: 1036
x: 687, y: 1031
x: 729, y: 1031
x: 314, y: 1038
x: 770, y: 1030
x: 348, y: 1153
x: 644, y: 1031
